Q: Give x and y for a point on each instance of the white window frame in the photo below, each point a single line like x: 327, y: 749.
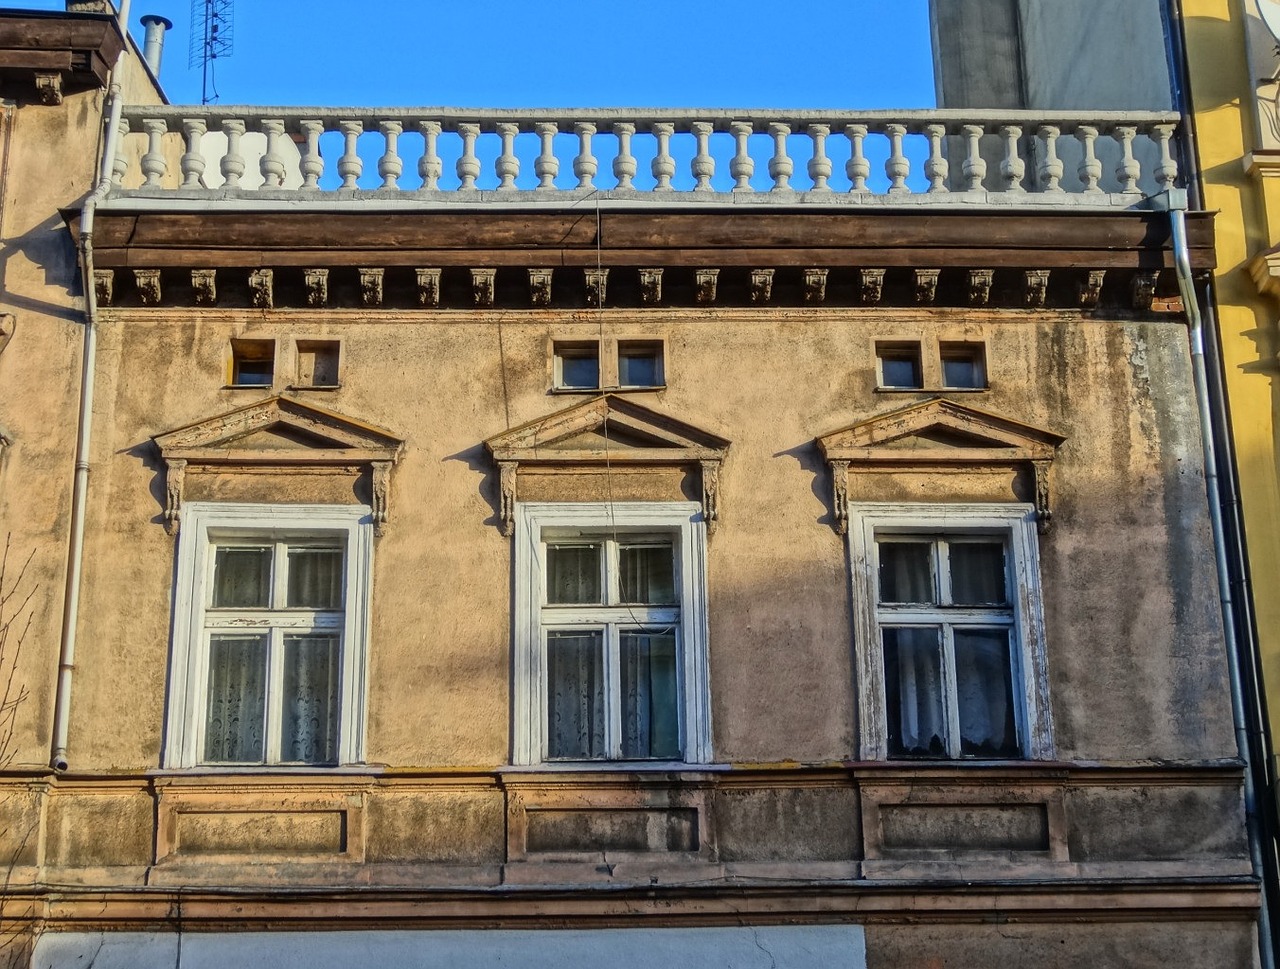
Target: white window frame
x: 1016, y: 524
x: 203, y: 525
x: 683, y: 522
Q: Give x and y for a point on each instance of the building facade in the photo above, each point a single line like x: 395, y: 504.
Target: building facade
x: 570, y: 558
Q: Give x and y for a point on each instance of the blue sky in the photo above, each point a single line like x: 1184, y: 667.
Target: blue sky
x: 516, y: 53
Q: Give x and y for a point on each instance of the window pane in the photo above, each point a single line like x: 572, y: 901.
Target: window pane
x: 237, y: 700
x: 575, y: 696
x: 573, y: 574
x: 580, y: 369
x: 315, y: 578
x: 977, y: 573
x: 913, y: 692
x: 650, y: 705
x: 647, y: 574
x: 639, y: 368
x: 961, y: 368
x: 241, y: 578
x: 311, y: 691
x: 906, y: 572
x: 984, y: 687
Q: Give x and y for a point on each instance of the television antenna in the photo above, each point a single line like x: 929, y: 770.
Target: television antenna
x: 211, y: 38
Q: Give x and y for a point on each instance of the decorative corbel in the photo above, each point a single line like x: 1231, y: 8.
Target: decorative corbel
x: 815, y: 286
x: 980, y: 286
x: 1091, y: 288
x: 49, y: 87
x: 174, y: 478
x: 710, y: 494
x: 204, y: 282
x: 482, y: 286
x: 104, y: 286
x: 148, y: 283
x: 317, y: 283
x: 381, y: 487
x: 840, y: 495
x: 429, y: 287
x: 926, y: 286
x: 540, y: 287
x: 705, y: 281
x: 1036, y: 285
x: 507, y: 496
x: 870, y: 286
x: 596, y: 281
x: 1144, y: 289
x: 371, y: 286
x: 8, y: 323
x: 1044, y: 514
x: 761, y: 285
x: 261, y: 285
x: 650, y: 286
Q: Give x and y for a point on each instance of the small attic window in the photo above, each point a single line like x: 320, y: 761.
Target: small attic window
x: 963, y: 366
x: 318, y: 364
x: 577, y: 366
x: 253, y: 363
x: 899, y: 366
x: 640, y: 364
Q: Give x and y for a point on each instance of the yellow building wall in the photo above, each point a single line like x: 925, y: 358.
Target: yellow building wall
x: 1241, y: 181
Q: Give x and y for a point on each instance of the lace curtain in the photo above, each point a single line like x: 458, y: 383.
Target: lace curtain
x: 237, y: 700
x: 913, y: 691
x: 984, y: 688
x: 575, y: 700
x: 650, y: 725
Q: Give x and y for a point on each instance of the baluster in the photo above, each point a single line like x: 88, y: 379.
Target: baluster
x: 232, y: 165
x: 780, y: 165
x: 1166, y: 171
x: 1012, y: 167
x: 193, y: 130
x: 703, y: 165
x: 819, y: 165
x: 350, y: 164
x: 974, y: 168
x: 896, y: 165
x: 430, y: 167
x: 1128, y: 171
x: 468, y: 167
x: 858, y: 168
x: 743, y: 165
x: 1050, y: 171
x: 663, y: 165
x: 507, y: 165
x: 624, y: 163
x: 547, y: 167
x: 120, y: 164
x: 390, y: 165
x: 936, y: 168
x: 271, y: 165
x: 584, y: 164
x: 311, y: 165
x: 1090, y: 170
x: 153, y: 163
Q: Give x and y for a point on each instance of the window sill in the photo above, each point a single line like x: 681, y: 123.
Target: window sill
x: 323, y: 387
x: 612, y: 767
x: 292, y: 770
x: 931, y: 390
x: 647, y: 389
x: 266, y: 387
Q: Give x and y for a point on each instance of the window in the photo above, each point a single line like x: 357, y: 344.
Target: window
x: 640, y: 364
x: 269, y: 635
x: 611, y: 633
x: 577, y: 366
x: 318, y: 363
x: 950, y: 634
x: 252, y: 363
x: 899, y: 365
x: 963, y: 366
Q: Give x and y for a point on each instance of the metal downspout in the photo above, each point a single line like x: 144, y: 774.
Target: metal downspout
x: 1177, y: 202
x: 84, y: 426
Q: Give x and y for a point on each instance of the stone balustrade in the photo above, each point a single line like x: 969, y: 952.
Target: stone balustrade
x: 417, y: 156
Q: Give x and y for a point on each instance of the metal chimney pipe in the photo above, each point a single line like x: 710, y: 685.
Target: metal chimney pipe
x: 153, y: 42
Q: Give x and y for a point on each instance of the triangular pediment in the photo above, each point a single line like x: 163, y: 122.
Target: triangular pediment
x: 940, y: 430
x: 279, y: 428
x: 603, y: 429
